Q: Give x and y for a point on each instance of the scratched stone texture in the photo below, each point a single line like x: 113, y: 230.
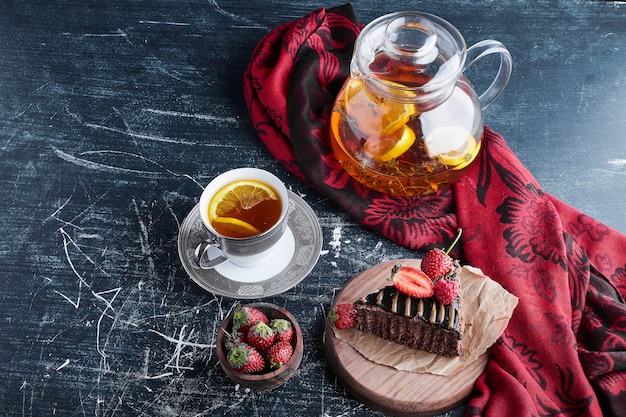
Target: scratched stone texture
x: 114, y: 115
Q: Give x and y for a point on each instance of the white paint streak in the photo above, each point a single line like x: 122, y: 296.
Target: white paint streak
x: 63, y: 365
x: 89, y: 236
x: 85, y: 211
x: 119, y: 34
x: 610, y: 172
x: 144, y: 240
x: 616, y: 167
x: 233, y: 16
x: 377, y: 248
x: 194, y: 180
x: 140, y: 135
x: 207, y: 117
x: 154, y: 22
x: 108, y: 303
x: 617, y: 162
x: 110, y: 168
x: 76, y: 303
x: 67, y: 240
x: 58, y: 210
x: 182, y: 342
x: 335, y: 243
x: 163, y: 375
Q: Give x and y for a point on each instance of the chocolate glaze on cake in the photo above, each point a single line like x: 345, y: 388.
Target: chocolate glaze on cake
x: 420, y: 323
x: 428, y: 309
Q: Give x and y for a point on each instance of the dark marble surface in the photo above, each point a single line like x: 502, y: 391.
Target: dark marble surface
x: 113, y: 115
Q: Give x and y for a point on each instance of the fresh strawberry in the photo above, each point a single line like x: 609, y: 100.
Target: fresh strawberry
x: 412, y: 282
x: 446, y: 290
x: 246, y: 359
x: 260, y: 336
x: 233, y: 338
x: 343, y: 316
x: 436, y: 264
x: 278, y: 354
x: 245, y: 317
x: 283, y: 331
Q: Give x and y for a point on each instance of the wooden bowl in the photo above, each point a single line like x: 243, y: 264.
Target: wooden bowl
x: 271, y: 379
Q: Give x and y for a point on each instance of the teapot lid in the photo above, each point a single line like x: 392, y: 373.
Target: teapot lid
x: 418, y: 51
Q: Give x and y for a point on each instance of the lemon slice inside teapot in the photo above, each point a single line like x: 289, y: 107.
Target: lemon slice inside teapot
x: 452, y: 146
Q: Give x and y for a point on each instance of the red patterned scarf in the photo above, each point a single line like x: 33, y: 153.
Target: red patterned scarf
x: 564, y: 351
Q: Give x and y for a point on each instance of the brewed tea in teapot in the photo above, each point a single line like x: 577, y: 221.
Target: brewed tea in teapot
x: 407, y: 121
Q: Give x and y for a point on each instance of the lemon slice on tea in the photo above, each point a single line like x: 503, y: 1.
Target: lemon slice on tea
x: 231, y: 226
x: 374, y: 114
x: 385, y: 148
x: 452, y: 146
x: 238, y: 195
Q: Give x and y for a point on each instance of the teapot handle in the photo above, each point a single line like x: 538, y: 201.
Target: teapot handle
x: 484, y: 48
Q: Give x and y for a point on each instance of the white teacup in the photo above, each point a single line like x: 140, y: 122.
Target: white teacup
x: 245, y: 252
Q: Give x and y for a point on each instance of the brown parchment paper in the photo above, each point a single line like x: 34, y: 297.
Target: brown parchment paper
x: 488, y: 308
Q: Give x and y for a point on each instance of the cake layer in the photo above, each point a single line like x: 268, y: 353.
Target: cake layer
x: 412, y: 332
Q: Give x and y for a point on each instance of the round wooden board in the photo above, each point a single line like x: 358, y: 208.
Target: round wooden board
x: 386, y: 389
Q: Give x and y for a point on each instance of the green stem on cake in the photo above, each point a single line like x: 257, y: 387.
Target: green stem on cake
x: 459, y: 232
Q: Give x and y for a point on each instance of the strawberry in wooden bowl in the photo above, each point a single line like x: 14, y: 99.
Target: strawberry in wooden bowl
x: 259, y: 346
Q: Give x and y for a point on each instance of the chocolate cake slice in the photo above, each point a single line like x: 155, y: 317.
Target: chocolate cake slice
x: 419, y: 323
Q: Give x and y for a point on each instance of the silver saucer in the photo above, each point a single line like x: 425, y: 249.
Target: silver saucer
x: 307, y: 234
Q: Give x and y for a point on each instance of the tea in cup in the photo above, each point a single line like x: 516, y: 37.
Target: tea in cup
x: 245, y: 214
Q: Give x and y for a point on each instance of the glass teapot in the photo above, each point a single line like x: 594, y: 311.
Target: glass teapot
x: 407, y: 121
